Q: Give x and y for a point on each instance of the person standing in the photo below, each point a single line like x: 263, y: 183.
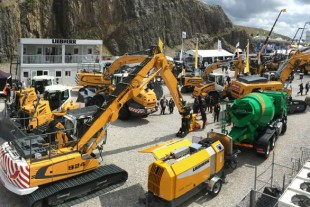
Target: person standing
x: 203, y: 116
x: 217, y: 109
x: 307, y: 87
x: 171, y: 105
x: 228, y: 79
x: 196, y: 106
x: 301, y: 88
x: 7, y: 92
x: 163, y: 105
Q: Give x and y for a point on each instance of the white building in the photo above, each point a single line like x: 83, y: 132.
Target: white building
x: 210, y: 55
x: 55, y: 57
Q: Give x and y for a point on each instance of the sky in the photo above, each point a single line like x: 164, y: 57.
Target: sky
x: 263, y: 13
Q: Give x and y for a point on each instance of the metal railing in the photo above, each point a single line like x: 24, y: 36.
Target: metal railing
x: 275, y: 176
x: 50, y: 59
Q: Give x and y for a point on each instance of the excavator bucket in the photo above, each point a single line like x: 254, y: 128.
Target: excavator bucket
x: 194, y: 125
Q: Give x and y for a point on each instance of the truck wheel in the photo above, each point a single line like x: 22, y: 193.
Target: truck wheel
x: 216, y: 188
x: 291, y: 110
x: 124, y: 113
x: 233, y: 164
x: 273, y: 142
x: 284, y: 127
x: 267, y: 150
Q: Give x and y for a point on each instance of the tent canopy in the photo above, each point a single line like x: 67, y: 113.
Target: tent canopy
x: 211, y: 53
x: 4, y: 75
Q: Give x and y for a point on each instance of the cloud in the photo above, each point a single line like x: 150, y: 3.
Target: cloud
x: 263, y: 13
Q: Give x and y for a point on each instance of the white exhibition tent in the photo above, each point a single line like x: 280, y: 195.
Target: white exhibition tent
x: 211, y: 54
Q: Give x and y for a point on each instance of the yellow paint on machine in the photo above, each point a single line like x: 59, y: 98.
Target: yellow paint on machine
x: 57, y: 168
x: 171, y: 179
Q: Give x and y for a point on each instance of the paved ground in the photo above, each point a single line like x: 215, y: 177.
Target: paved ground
x: 126, y: 138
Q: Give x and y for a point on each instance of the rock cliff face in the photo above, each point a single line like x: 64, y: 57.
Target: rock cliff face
x: 122, y: 25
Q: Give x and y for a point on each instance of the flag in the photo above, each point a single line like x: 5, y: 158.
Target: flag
x: 184, y: 35
x: 237, y: 45
x: 160, y: 44
x: 196, y: 55
x: 247, y: 67
x: 219, y: 45
x: 237, y: 49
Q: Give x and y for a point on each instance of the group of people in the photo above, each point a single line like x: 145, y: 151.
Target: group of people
x: 301, y: 88
x: 164, y: 103
x: 9, y: 90
x: 201, y: 105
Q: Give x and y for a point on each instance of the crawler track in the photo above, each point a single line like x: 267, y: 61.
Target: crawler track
x: 77, y: 189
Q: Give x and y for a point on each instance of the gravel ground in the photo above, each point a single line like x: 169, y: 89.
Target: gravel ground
x: 126, y: 138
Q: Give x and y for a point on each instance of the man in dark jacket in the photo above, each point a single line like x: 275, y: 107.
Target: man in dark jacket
x: 203, y: 116
x: 307, y: 87
x: 217, y: 109
x: 171, y: 105
x: 163, y: 105
x: 301, y: 88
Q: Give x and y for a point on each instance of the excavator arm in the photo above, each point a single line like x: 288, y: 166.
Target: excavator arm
x: 129, y: 88
x: 123, y: 60
x: 296, y: 60
x: 211, y: 68
x: 95, y: 79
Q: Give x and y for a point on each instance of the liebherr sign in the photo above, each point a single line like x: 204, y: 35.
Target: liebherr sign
x: 63, y: 41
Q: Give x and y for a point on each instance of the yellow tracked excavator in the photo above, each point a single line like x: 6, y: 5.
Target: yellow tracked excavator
x: 97, y: 87
x: 54, y: 165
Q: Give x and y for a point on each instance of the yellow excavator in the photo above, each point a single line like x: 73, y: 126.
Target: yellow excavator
x: 57, y: 165
x: 215, y: 81
x: 97, y: 87
x: 56, y: 101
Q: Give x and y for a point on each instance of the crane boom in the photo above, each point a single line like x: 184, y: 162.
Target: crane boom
x: 267, y: 38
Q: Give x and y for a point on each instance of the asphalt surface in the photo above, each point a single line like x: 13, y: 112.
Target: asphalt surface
x: 126, y: 138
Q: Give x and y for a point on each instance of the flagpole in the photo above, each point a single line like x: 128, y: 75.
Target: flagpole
x: 196, y: 58
x: 181, y: 54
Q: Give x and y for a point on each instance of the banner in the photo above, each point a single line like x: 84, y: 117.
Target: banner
x: 196, y: 55
x: 247, y: 67
x: 184, y: 35
x: 219, y: 45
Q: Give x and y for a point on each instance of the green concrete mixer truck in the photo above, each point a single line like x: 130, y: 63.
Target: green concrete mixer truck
x: 257, y: 120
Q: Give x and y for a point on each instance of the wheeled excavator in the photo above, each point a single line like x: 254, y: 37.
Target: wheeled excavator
x: 58, y: 164
x: 97, y: 87
x: 214, y: 81
x: 56, y: 101
x: 25, y: 96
